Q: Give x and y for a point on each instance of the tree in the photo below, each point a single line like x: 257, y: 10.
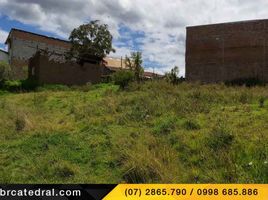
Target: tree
x: 123, y: 78
x: 92, y: 41
x: 134, y: 63
x: 173, y: 76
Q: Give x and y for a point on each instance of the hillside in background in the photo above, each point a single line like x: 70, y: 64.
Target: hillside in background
x: 151, y: 133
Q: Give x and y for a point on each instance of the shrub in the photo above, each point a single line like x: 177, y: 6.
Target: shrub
x: 20, y: 85
x: 261, y: 101
x: 5, y: 71
x: 123, y: 78
x: 172, y: 76
x: 29, y: 84
x: 12, y: 86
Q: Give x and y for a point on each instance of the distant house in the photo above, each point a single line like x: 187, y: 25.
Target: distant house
x: 151, y: 75
x: 227, y: 51
x: 22, y: 45
x: 3, y: 56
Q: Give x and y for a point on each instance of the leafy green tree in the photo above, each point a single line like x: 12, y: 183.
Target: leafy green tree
x: 134, y: 63
x: 123, y: 78
x: 92, y: 41
x: 173, y: 76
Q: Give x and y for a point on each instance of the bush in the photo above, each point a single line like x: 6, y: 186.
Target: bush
x: 262, y: 101
x: 123, y: 78
x: 19, y: 85
x: 29, y: 84
x: 4, y: 71
x: 12, y: 86
x: 172, y: 76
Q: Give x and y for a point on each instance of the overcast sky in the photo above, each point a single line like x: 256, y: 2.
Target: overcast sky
x: 155, y: 27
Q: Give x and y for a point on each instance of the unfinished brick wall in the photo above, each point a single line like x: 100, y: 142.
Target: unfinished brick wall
x: 23, y: 46
x: 229, y: 51
x: 47, y: 71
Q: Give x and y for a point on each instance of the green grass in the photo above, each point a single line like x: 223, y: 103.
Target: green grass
x: 151, y: 133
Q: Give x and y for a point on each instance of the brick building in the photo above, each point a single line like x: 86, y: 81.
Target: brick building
x: 22, y: 45
x: 227, y: 51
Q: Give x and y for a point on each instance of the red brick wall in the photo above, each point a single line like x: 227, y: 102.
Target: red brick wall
x: 19, y: 68
x: 38, y: 38
x: 51, y: 72
x: 224, y: 52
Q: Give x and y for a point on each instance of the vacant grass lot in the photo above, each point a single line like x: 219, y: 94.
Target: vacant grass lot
x: 152, y: 133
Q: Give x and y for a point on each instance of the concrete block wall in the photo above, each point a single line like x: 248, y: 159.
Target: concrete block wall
x: 229, y: 51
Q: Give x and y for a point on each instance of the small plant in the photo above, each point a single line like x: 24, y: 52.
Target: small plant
x: 245, y: 98
x: 191, y: 125
x: 20, y: 123
x: 262, y: 101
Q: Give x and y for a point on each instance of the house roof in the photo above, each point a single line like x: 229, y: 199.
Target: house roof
x: 151, y: 75
x: 3, y: 51
x: 44, y: 36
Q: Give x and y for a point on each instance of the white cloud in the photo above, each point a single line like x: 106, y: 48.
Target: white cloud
x: 163, y: 22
